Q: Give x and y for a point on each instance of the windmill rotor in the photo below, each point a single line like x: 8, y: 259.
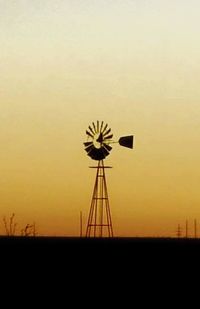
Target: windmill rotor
x: 99, y: 138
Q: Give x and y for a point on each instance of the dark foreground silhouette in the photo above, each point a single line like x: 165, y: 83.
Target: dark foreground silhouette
x: 81, y: 259
x: 113, y: 241
x: 103, y: 241
x: 136, y: 247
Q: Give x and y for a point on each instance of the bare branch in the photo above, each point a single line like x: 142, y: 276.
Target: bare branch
x: 6, y: 226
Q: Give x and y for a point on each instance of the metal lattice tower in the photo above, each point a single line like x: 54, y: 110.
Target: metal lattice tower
x: 99, y: 219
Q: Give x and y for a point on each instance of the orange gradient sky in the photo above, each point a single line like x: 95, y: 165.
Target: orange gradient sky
x: 133, y: 64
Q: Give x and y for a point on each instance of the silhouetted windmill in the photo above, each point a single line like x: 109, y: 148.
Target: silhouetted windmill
x: 99, y: 138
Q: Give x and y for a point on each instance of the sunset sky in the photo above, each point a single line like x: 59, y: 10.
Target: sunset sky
x: 134, y: 64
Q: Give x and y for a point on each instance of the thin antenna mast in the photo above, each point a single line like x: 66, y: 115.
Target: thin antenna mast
x: 81, y: 224
x: 195, y: 228
x: 186, y: 229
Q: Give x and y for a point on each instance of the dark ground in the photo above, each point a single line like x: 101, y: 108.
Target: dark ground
x: 135, y: 263
x: 114, y: 242
x: 80, y: 248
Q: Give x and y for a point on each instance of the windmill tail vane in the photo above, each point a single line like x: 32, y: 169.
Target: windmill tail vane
x: 126, y: 141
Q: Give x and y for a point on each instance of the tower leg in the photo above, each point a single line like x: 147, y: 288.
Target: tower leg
x: 99, y: 220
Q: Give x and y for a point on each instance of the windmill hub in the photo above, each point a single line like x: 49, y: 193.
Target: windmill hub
x: 98, y: 141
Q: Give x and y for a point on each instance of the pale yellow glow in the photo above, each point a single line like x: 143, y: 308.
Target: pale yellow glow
x: 133, y: 64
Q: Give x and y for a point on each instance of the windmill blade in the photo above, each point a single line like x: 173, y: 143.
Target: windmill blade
x: 108, y: 137
x: 105, y: 151
x: 89, y: 148
x: 126, y: 141
x: 107, y: 132
x: 95, y: 130
x: 102, y: 153
x: 101, y: 127
x: 105, y: 128
x: 109, y: 148
x: 91, y: 152
x: 88, y: 133
x: 97, y: 125
x: 96, y: 154
x: 88, y: 144
x: 91, y: 130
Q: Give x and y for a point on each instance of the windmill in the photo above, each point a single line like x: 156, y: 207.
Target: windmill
x: 97, y: 146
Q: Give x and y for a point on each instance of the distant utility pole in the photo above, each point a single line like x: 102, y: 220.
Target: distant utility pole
x: 81, y: 224
x: 178, y: 233
x: 186, y: 229
x: 195, y: 228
